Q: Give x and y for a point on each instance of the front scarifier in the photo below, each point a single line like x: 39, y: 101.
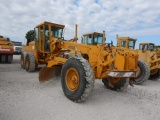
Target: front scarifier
x: 77, y: 79
x: 116, y: 83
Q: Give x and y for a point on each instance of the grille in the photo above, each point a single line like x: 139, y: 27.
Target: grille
x: 18, y: 48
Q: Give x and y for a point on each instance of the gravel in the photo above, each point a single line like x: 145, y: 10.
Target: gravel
x: 22, y: 97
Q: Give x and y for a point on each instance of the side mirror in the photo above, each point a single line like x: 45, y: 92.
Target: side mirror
x: 111, y: 43
x: 8, y: 39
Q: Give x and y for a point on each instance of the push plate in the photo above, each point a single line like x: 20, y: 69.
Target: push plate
x: 121, y: 74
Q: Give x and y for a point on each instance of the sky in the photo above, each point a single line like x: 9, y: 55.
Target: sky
x: 138, y: 19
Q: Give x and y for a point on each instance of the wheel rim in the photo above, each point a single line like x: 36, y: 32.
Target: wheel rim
x: 115, y: 80
x: 154, y: 71
x: 72, y: 79
x: 138, y: 73
x: 27, y: 62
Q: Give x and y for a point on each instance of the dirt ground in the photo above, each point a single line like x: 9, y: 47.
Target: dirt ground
x: 22, y: 97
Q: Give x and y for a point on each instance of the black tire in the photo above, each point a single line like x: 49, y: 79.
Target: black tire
x: 3, y: 58
x: 23, y: 59
x: 155, y: 76
x: 120, y: 85
x: 30, y: 62
x: 86, y: 79
x: 9, y: 58
x: 145, y: 72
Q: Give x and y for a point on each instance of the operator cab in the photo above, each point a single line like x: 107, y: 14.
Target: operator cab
x: 126, y: 42
x: 47, y: 32
x: 157, y: 47
x: 146, y: 46
x: 93, y: 38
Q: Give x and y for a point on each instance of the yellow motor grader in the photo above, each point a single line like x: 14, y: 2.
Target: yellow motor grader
x: 157, y: 50
x: 80, y: 64
x: 6, y: 50
x: 95, y: 38
x: 146, y: 53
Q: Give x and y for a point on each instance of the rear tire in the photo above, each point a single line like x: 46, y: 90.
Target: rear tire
x: 30, y: 62
x: 77, y: 79
x: 3, y: 58
x: 23, y: 59
x: 9, y: 58
x: 144, y: 72
x: 156, y: 76
x: 120, y: 85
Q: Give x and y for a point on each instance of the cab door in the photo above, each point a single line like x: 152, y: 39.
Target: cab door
x: 39, y: 36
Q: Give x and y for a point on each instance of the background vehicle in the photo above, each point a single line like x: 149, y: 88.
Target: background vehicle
x: 96, y: 38
x: 146, y: 53
x: 84, y: 64
x: 6, y: 50
x: 157, y: 50
x: 17, y: 47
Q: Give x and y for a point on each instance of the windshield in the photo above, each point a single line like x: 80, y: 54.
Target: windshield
x: 17, y: 43
x: 123, y: 43
x: 143, y: 47
x: 151, y: 47
x: 56, y: 31
x: 98, y: 39
x: 131, y: 44
x: 88, y: 39
x: 157, y: 46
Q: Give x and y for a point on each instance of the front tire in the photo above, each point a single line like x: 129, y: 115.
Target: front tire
x: 143, y: 74
x: 9, y: 58
x: 30, y: 62
x: 77, y: 79
x: 3, y: 58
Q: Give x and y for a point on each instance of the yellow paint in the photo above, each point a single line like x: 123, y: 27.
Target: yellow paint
x: 145, y: 53
x: 101, y: 57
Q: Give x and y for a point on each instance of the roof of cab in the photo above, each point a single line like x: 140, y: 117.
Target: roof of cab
x: 50, y: 23
x: 124, y: 38
x: 93, y: 33
x: 146, y: 43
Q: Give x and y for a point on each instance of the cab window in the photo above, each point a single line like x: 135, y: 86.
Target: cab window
x: 89, y: 39
x: 140, y: 47
x: 123, y: 43
x: 46, y: 32
x: 98, y: 39
x: 151, y: 47
x: 131, y: 44
x: 143, y: 47
x: 36, y: 33
x: 85, y: 39
x: 56, y: 32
